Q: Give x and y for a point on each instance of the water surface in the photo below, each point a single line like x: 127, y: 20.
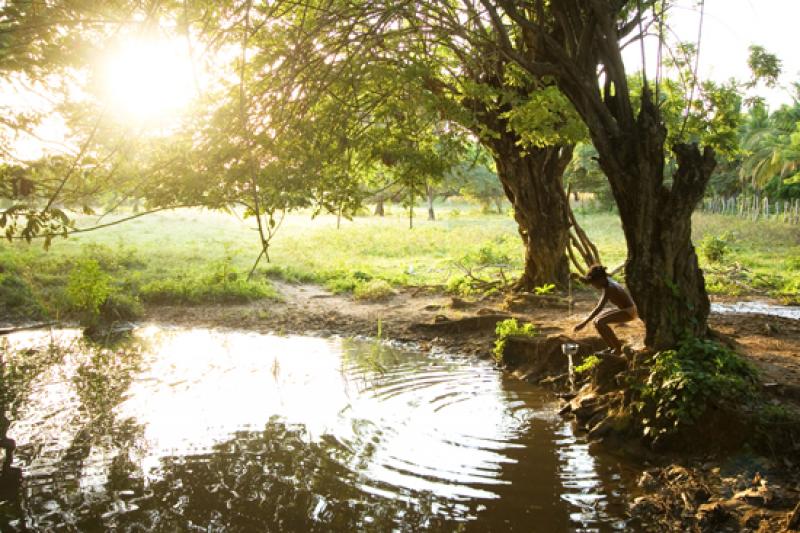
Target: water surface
x: 207, y: 430
x: 763, y: 308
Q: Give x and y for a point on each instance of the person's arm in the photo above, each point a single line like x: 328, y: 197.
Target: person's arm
x: 595, y: 311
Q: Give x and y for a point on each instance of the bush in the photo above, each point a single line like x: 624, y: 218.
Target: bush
x: 88, y: 286
x: 460, y: 285
x: 715, y: 248
x: 509, y: 328
x: 17, y: 298
x: 376, y: 289
x: 120, y: 307
x: 683, y: 383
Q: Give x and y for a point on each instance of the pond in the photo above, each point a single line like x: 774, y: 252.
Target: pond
x: 216, y: 430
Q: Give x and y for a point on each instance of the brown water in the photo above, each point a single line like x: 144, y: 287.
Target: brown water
x: 207, y: 430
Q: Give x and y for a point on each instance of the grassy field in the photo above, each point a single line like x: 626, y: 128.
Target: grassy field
x: 194, y: 256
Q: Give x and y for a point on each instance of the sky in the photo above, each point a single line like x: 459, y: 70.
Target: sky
x: 729, y: 28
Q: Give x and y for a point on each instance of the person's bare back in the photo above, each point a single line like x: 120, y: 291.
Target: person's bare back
x: 617, y: 295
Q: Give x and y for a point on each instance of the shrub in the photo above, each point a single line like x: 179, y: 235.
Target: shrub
x: 715, y: 248
x: 17, y: 298
x: 376, y: 289
x: 684, y: 382
x: 461, y: 285
x: 509, y: 328
x: 88, y: 286
x: 120, y: 307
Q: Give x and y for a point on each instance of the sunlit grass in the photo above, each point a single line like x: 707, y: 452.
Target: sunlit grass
x: 196, y: 256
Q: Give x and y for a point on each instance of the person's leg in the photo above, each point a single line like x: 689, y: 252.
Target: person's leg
x: 613, y: 316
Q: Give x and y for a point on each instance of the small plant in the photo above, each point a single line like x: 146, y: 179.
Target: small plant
x: 460, y: 285
x: 509, y: 328
x: 88, y: 286
x: 684, y: 382
x: 588, y: 364
x: 547, y: 288
x: 376, y: 289
x: 715, y: 248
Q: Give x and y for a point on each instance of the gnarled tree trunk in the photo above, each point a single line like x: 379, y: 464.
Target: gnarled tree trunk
x: 532, y: 180
x: 662, y: 270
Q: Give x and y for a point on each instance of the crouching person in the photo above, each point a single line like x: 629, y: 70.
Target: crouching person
x: 617, y: 295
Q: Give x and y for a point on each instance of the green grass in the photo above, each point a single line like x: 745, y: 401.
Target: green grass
x: 197, y: 256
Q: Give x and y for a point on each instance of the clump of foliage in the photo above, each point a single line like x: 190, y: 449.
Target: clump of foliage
x: 376, y: 289
x: 588, y: 364
x: 715, y: 248
x: 685, y: 382
x: 339, y: 282
x: 509, y: 328
x: 17, y: 299
x: 88, y: 287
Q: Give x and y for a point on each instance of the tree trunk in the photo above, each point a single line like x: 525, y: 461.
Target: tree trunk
x: 662, y: 270
x: 411, y: 207
x: 533, y: 183
x: 379, y: 210
x: 429, y: 191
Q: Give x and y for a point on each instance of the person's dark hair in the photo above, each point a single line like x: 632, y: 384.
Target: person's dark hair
x: 596, y: 272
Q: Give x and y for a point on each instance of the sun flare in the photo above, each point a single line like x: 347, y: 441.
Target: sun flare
x: 148, y: 80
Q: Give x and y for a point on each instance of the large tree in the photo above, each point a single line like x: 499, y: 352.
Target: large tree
x: 572, y: 41
x: 523, y: 121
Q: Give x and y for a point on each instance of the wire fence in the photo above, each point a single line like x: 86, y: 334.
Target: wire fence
x: 754, y: 208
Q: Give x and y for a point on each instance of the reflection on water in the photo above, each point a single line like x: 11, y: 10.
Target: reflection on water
x: 230, y: 431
